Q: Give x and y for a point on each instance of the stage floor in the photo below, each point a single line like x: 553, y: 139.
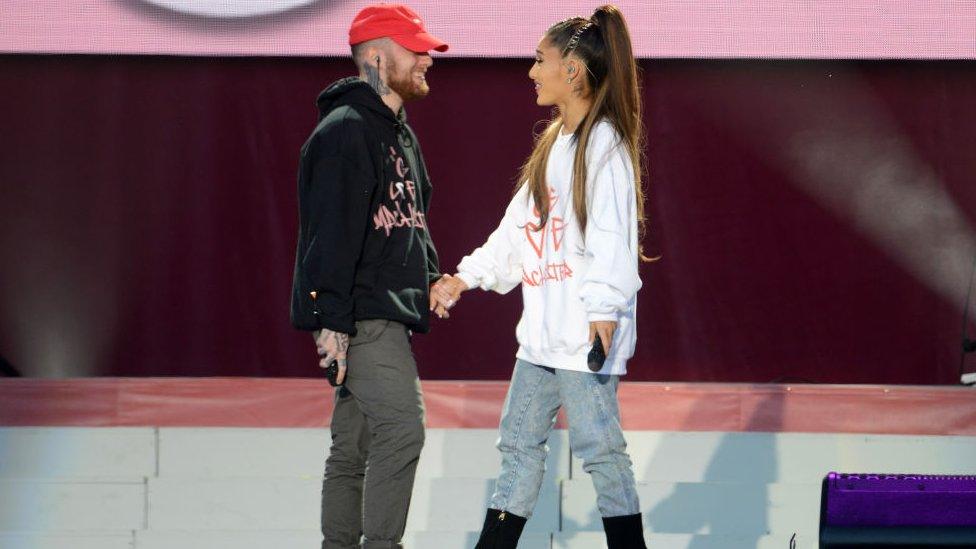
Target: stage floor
x: 209, y: 463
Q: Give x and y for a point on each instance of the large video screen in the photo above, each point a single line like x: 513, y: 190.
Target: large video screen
x: 788, y: 29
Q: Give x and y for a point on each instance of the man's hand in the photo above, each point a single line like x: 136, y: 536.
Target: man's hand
x: 445, y: 293
x: 332, y: 346
x: 605, y: 328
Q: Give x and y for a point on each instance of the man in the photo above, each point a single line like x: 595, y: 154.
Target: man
x: 364, y: 266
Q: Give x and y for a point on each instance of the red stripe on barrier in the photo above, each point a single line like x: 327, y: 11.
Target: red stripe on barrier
x: 271, y: 402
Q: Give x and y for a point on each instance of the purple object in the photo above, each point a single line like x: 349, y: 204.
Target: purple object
x: 898, y: 500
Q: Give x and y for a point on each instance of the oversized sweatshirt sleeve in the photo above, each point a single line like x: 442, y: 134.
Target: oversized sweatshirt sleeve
x: 339, y: 193
x: 497, y: 264
x: 610, y: 242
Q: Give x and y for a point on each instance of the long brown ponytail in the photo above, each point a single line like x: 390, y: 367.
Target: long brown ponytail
x: 603, y: 44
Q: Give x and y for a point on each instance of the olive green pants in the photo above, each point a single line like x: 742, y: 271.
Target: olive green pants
x: 377, y: 435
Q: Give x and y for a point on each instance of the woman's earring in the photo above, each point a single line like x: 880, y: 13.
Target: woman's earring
x: 569, y: 80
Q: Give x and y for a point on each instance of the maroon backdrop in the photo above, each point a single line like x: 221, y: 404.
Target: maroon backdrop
x: 148, y: 216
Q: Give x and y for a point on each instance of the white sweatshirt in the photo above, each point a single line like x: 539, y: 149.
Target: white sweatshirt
x: 568, y: 280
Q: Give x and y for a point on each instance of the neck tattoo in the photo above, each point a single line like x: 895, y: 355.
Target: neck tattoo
x: 374, y: 80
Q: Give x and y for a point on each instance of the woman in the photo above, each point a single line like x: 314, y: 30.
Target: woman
x: 570, y: 237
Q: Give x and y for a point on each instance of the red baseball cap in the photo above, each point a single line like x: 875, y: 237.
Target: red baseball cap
x: 396, y: 22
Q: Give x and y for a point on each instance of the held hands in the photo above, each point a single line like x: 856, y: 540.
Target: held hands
x: 605, y: 329
x: 445, y: 293
x: 332, y: 346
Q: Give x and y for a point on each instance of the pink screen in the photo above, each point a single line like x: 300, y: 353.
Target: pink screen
x: 809, y: 29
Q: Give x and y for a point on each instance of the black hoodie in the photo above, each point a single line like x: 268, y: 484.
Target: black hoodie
x: 364, y: 251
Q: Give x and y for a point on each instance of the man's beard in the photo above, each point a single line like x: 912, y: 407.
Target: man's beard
x: 405, y: 86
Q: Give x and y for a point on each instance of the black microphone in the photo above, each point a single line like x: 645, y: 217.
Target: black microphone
x: 596, y: 356
x: 332, y: 374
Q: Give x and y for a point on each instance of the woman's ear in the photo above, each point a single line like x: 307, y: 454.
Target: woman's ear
x: 571, y: 68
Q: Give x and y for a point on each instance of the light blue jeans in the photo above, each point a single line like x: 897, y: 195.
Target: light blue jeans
x: 534, y: 397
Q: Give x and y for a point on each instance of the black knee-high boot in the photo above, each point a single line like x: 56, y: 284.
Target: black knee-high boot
x: 626, y: 532
x: 501, y: 530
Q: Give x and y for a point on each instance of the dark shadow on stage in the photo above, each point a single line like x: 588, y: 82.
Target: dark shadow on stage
x: 748, y: 462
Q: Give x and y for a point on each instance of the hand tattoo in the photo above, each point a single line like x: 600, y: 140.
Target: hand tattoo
x: 374, y: 80
x: 341, y: 341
